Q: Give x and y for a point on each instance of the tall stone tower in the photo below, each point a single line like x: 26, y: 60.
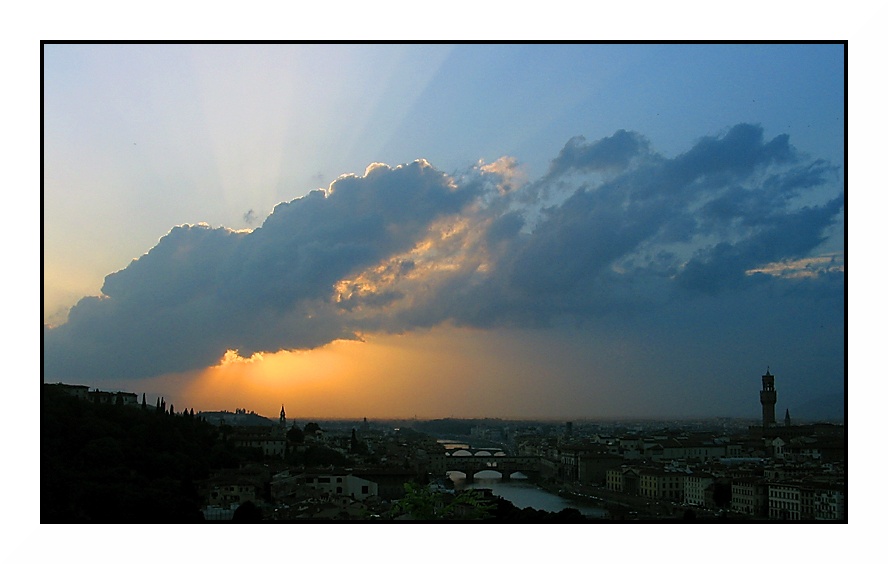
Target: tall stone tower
x: 768, y: 397
x: 282, y: 422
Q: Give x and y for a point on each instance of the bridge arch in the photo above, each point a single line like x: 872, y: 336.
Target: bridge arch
x: 487, y: 473
x: 506, y: 466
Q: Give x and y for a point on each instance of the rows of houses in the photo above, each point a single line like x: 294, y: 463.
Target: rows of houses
x: 294, y: 494
x: 812, y: 498
x: 796, y: 477
x: 271, y: 440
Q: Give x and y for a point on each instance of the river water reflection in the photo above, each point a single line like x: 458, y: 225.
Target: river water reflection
x: 525, y: 494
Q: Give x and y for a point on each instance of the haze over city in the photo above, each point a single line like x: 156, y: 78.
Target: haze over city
x: 526, y: 231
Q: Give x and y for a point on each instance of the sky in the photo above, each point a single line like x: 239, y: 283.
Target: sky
x: 516, y: 231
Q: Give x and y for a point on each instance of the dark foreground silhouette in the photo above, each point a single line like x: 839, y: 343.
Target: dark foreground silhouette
x: 104, y: 463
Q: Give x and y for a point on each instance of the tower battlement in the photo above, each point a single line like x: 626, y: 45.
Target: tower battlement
x: 768, y: 397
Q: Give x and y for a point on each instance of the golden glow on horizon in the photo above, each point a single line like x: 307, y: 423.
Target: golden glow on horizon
x: 283, y: 377
x: 444, y: 372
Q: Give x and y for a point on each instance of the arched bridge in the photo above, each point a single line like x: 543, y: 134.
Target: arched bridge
x: 472, y: 461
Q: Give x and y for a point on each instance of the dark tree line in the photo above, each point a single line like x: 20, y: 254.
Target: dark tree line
x: 107, y: 463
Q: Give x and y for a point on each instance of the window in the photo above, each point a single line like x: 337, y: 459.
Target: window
x: 365, y: 489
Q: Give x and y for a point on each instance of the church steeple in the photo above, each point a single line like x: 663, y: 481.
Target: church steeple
x: 283, y: 419
x: 786, y: 421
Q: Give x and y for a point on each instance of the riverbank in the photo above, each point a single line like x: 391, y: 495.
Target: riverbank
x: 622, y: 506
x: 619, y: 506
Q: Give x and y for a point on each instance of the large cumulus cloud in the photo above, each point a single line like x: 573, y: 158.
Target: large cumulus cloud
x: 635, y: 231
x: 612, y: 232
x: 202, y: 290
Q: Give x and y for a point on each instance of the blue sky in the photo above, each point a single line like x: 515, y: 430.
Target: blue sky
x: 142, y: 138
x: 670, y: 215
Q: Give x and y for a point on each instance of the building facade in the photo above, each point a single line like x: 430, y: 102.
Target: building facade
x: 695, y: 487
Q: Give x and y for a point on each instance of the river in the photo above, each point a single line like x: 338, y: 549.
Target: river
x: 521, y: 492
x: 525, y: 494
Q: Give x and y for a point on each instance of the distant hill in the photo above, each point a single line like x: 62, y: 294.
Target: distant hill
x: 824, y: 408
x: 238, y: 419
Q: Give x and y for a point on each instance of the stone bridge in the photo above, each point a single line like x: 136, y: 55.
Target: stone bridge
x: 472, y: 461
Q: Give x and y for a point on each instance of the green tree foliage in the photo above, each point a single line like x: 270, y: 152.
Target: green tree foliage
x: 423, y: 504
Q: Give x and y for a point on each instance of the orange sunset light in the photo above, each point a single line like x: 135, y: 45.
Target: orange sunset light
x: 384, y: 376
x: 262, y: 382
x: 344, y: 379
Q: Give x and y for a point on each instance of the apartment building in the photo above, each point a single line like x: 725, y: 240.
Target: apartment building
x: 695, y: 485
x: 784, y: 501
x: 657, y: 483
x: 340, y: 483
x: 749, y: 496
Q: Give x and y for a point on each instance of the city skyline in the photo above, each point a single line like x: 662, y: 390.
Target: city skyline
x: 829, y: 413
x: 562, y: 231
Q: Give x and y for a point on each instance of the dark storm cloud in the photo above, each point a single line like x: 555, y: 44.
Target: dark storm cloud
x: 627, y: 238
x: 697, y: 222
x: 201, y: 291
x: 736, y: 154
x: 787, y: 236
x: 611, y: 153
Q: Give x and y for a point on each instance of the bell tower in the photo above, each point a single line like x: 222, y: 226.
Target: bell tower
x: 283, y: 420
x: 768, y: 397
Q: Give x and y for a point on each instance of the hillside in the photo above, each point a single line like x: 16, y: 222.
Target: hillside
x: 103, y: 463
